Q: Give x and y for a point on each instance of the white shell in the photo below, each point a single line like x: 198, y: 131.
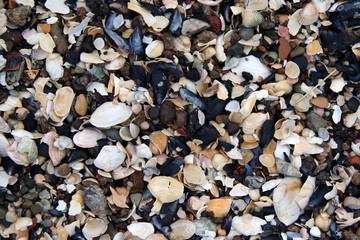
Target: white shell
x: 110, y: 114
x: 109, y: 158
x: 94, y: 228
x: 239, y: 190
x: 166, y: 189
x: 252, y: 65
x: 248, y: 225
x: 54, y: 67
x: 141, y: 229
x: 154, y: 49
x: 303, y: 197
x: 57, y: 6
x: 88, y: 137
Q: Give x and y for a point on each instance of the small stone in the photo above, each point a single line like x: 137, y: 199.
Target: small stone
x: 27, y: 204
x: 167, y: 112
x: 320, y: 102
x: 235, y: 50
x: 55, y: 213
x: 267, y: 25
x: 19, y: 15
x: 284, y: 48
x: 308, y: 166
x: 154, y: 113
x: 193, y: 74
x: 314, y: 121
x: 353, y: 104
x: 46, y: 222
x: 59, y: 38
x: 354, y: 160
x: 233, y: 128
x: 356, y: 179
x: 95, y: 199
x: 298, y: 51
x: 181, y: 118
x: 36, y: 208
x: 246, y: 33
x: 81, y: 105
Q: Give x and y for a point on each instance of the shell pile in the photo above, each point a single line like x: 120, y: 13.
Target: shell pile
x: 179, y: 119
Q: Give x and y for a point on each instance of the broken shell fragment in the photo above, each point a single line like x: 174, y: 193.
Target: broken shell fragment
x: 88, y: 138
x: 63, y: 101
x: 220, y: 207
x: 292, y: 70
x: 94, y: 228
x: 110, y: 114
x: 308, y: 14
x: 166, y: 189
x: 248, y: 225
x: 154, y: 49
x: 251, y: 18
x: 109, y: 158
x: 141, y: 229
x: 194, y: 174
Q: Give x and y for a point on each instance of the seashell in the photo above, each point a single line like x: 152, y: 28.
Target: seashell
x: 63, y: 101
x: 56, y: 154
x: 160, y: 24
x: 253, y: 122
x: 239, y: 190
x: 270, y: 57
x: 308, y: 188
x: 15, y: 155
x: 28, y: 149
x: 314, y: 48
x: 293, y: 24
x: 88, y: 138
x: 193, y: 174
x: 292, y: 70
x: 22, y: 223
x: 257, y: 4
x: 170, y: 4
x: 308, y: 14
x: 154, y: 236
x: 252, y: 65
x: 154, y: 49
x: 302, y: 106
x: 286, y: 168
x: 99, y: 43
x: 352, y: 202
x: 4, y: 127
x: 304, y: 147
x: 233, y: 106
x: 322, y: 5
x: 81, y: 105
x: 166, y: 189
x: 149, y: 19
x: 53, y: 66
x: 47, y: 43
x: 109, y: 158
x: 337, y: 84
x: 276, y: 4
x: 110, y: 114
x: 94, y: 228
x: 251, y: 18
x: 219, y: 207
x: 271, y: 184
x: 323, y: 221
x: 141, y: 229
x: 30, y: 3
x: 114, y: 22
x: 182, y: 44
x: 182, y: 229
x: 192, y: 26
x: 284, y: 195
x: 176, y: 22
x: 135, y: 41
x: 160, y: 140
x: 248, y: 225
x: 57, y: 6
x: 92, y: 58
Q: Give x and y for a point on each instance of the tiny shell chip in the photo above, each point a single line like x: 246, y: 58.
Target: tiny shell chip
x: 110, y: 114
x: 141, y: 229
x: 166, y: 189
x: 109, y: 158
x: 194, y: 174
x: 63, y: 101
x: 94, y: 228
x: 88, y: 138
x: 292, y: 70
x: 220, y: 207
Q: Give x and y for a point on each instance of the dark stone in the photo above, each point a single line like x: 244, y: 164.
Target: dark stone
x: 154, y: 113
x: 55, y: 213
x: 207, y: 134
x: 95, y: 200
x: 193, y: 74
x: 267, y: 25
x: 308, y: 166
x: 214, y: 107
x: 36, y: 208
x: 267, y: 133
x: 46, y: 222
x: 353, y: 104
x: 247, y: 76
x: 314, y: 121
x: 235, y: 50
x: 233, y: 128
x: 171, y: 166
x: 18, y: 15
x: 59, y: 38
x: 167, y: 112
x: 246, y: 33
x: 11, y: 198
x: 137, y: 179
x: 181, y: 118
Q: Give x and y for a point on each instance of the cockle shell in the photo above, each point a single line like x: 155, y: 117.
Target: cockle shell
x: 248, y: 225
x: 166, y: 189
x: 257, y: 4
x: 308, y: 14
x: 251, y: 18
x: 109, y: 158
x: 110, y: 114
x: 63, y: 101
x: 88, y: 138
x: 286, y: 208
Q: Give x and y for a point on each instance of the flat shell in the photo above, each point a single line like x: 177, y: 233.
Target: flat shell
x: 63, y: 101
x: 166, y: 189
x: 110, y: 114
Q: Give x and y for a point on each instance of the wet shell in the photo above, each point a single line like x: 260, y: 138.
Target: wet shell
x: 109, y: 158
x: 63, y: 101
x: 308, y: 14
x: 286, y: 208
x: 182, y: 229
x: 110, y: 114
x: 248, y: 225
x: 94, y: 228
x: 166, y: 189
x: 141, y: 229
x: 292, y: 70
x: 88, y: 138
x: 194, y: 174
x: 251, y: 18
x: 220, y: 207
x: 154, y: 49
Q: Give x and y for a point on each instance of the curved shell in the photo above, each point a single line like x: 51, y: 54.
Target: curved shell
x: 193, y: 26
x: 63, y: 101
x: 251, y: 18
x: 88, y: 137
x: 154, y: 49
x: 248, y: 225
x: 94, y: 228
x: 193, y: 174
x: 257, y: 4
x: 182, y: 229
x: 220, y: 207
x: 292, y: 70
x: 166, y: 189
x: 110, y: 114
x: 109, y: 158
x: 308, y: 14
x: 141, y: 229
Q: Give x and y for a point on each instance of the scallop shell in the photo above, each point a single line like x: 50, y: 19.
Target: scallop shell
x: 220, y: 207
x: 154, y: 49
x: 166, y: 189
x: 63, y: 101
x: 141, y: 229
x: 322, y: 5
x: 88, y: 138
x: 94, y: 228
x: 110, y: 114
x: 251, y: 18
x: 308, y: 14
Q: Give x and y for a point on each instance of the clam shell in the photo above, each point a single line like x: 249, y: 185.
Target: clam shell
x: 294, y: 25
x: 160, y: 140
x: 194, y: 174
x: 182, y: 229
x: 239, y: 190
x: 182, y: 44
x: 94, y: 228
x: 109, y: 158
x: 193, y: 26
x: 166, y: 189
x: 160, y: 24
x: 154, y: 49
x: 88, y: 138
x: 248, y: 225
x: 303, y: 197
x: 141, y: 229
x: 257, y: 4
x: 322, y: 5
x: 63, y: 101
x: 292, y: 70
x: 308, y: 14
x: 251, y: 18
x: 253, y: 122
x: 57, y: 6
x: 220, y: 207
x: 110, y: 114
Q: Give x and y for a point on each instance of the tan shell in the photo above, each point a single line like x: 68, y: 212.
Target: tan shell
x: 88, y: 137
x: 110, y: 114
x: 257, y: 4
x: 254, y: 122
x: 159, y: 139
x: 94, y: 228
x: 160, y: 24
x: 292, y: 70
x: 182, y: 44
x: 248, y: 225
x: 63, y: 101
x: 182, y: 229
x: 166, y: 189
x: 220, y: 207
x: 313, y: 48
x: 308, y: 14
x: 141, y: 229
x: 81, y: 105
x: 154, y: 49
x: 194, y: 174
